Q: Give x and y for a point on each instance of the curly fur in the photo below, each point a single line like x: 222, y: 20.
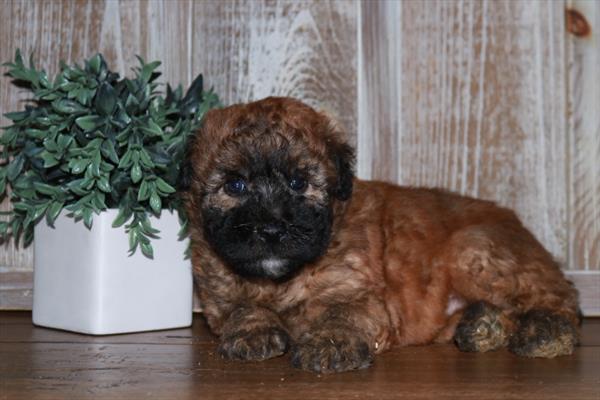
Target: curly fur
x: 368, y: 265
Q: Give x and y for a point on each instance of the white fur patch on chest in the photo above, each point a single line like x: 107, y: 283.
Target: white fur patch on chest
x: 273, y: 265
x: 455, y: 303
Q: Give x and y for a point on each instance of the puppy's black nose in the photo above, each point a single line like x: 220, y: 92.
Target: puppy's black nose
x: 272, y: 231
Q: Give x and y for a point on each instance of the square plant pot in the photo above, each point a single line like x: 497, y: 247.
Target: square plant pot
x: 85, y: 281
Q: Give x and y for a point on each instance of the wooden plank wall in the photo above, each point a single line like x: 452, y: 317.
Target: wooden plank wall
x: 496, y: 99
x: 493, y: 99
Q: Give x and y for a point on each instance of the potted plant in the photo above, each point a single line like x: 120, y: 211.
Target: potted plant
x: 91, y: 167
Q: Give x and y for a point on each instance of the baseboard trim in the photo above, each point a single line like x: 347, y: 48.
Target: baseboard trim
x: 16, y: 290
x: 588, y: 284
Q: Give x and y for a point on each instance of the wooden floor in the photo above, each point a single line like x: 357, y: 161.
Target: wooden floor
x: 38, y: 363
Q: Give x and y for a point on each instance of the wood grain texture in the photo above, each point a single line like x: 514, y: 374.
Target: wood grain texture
x: 37, y: 363
x: 257, y: 48
x: 482, y: 95
x: 380, y: 78
x: 16, y: 289
x: 583, y: 151
x: 588, y: 284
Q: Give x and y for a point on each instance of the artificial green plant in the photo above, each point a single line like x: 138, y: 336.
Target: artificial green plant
x: 89, y: 140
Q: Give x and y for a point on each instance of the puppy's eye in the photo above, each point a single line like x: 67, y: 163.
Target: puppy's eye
x: 297, y: 184
x: 235, y: 187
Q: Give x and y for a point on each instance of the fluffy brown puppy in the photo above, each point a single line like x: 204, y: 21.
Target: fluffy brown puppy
x: 290, y: 251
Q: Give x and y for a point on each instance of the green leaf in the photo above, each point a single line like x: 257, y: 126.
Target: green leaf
x: 84, y: 96
x: 108, y: 150
x: 89, y: 122
x: 45, y: 121
x: 145, y: 159
x: 95, y: 63
x: 164, y: 187
x: 50, y: 159
x: 3, y: 229
x: 152, y: 129
x: 20, y: 206
x: 15, y: 167
x: 9, y: 136
x: 50, y: 145
x: 17, y: 116
x: 147, y: 249
x: 155, y: 203
x: 53, y: 212
x: 125, y: 161
x: 78, y: 187
x: 122, y: 217
x: 36, y: 133
x: 34, y: 213
x: 78, y: 165
x: 133, y: 240
x: 103, y: 185
x: 122, y: 119
x: 65, y: 106
x: 64, y: 142
x: 88, y: 217
x: 147, y: 228
x: 147, y: 69
x: 46, y: 189
x: 136, y: 173
x: 95, y: 166
x: 131, y: 104
x: 106, y: 99
x: 144, y: 192
x: 98, y: 201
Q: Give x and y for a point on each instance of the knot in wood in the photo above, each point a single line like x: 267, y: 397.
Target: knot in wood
x: 576, y: 23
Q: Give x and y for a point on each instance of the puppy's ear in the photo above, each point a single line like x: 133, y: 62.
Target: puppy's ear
x: 343, y: 159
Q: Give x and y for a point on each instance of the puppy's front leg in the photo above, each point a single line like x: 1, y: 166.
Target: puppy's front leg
x: 253, y: 333
x: 342, y: 338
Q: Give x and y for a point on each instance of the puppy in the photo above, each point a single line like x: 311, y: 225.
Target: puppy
x: 291, y: 252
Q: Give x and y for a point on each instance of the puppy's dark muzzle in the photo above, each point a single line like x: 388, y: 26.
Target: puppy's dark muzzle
x: 272, y: 232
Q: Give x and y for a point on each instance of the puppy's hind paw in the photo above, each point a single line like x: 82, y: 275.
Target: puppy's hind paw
x: 331, y: 351
x: 543, y: 334
x: 254, y: 345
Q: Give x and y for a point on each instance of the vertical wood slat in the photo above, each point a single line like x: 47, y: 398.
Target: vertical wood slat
x: 379, y: 90
x: 254, y: 49
x: 482, y: 94
x: 583, y: 60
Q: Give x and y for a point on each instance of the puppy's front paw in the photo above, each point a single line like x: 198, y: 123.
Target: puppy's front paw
x: 481, y: 329
x: 331, y: 351
x: 254, y: 345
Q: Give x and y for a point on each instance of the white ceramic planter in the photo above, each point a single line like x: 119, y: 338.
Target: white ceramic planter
x: 85, y: 281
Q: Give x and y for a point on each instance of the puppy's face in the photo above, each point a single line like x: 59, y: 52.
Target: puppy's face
x: 263, y: 181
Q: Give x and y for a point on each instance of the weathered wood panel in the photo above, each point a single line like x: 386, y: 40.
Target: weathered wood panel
x: 588, y: 284
x: 488, y: 98
x: 380, y: 79
x: 305, y: 49
x: 16, y: 288
x: 482, y: 92
x: 583, y: 145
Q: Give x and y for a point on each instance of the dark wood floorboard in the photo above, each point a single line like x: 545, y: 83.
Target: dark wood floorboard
x: 38, y: 363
